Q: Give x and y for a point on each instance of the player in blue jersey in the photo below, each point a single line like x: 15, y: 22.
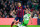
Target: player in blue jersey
x: 19, y: 14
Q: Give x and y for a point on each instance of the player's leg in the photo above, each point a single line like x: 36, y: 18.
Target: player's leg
x: 24, y: 25
x: 14, y: 21
x: 20, y: 21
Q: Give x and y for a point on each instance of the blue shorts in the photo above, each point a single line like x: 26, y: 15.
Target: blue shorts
x: 20, y: 19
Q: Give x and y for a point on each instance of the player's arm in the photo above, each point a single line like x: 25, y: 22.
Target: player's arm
x: 31, y: 19
x: 16, y: 10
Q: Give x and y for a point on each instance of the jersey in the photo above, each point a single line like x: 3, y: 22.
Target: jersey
x: 20, y: 11
x: 26, y: 18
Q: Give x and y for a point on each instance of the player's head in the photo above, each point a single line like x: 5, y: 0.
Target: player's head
x: 27, y: 11
x: 19, y: 4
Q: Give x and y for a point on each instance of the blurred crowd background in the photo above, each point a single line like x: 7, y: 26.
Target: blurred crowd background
x: 7, y: 7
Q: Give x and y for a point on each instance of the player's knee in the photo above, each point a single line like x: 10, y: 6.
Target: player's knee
x: 19, y: 22
x: 14, y: 21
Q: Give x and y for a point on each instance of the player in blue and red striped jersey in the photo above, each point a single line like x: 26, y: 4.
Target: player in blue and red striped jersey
x: 20, y: 12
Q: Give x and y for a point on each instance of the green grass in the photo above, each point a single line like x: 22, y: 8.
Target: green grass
x: 15, y: 26
x: 33, y: 25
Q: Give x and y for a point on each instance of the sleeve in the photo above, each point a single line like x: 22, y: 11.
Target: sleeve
x: 24, y: 16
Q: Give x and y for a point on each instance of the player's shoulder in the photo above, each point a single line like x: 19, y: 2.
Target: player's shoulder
x: 29, y: 14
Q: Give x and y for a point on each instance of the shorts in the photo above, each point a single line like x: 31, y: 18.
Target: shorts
x: 20, y: 19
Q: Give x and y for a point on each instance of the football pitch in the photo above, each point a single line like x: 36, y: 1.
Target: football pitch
x: 15, y: 26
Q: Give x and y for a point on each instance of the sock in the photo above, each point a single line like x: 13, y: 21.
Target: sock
x: 12, y: 24
x: 18, y: 24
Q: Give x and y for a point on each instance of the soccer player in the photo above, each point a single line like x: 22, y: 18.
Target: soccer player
x: 19, y: 9
x: 27, y: 16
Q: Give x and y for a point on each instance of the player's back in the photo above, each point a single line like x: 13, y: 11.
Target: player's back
x: 27, y: 16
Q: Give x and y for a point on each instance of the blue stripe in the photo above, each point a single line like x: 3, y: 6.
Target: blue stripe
x: 22, y: 12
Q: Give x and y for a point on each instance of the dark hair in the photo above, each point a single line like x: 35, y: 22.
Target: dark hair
x: 19, y: 1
